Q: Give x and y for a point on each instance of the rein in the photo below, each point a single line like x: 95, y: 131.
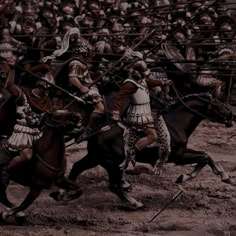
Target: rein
x: 56, y: 126
x: 45, y: 163
x: 104, y: 127
x: 50, y: 167
x: 189, y: 108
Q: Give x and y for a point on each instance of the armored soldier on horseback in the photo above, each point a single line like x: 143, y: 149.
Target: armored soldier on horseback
x: 30, y: 110
x: 78, y: 74
x: 139, y: 114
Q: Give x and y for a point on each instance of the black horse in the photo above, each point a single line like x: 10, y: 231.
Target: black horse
x: 106, y: 148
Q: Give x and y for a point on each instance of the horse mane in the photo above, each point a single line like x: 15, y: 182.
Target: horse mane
x: 187, y: 98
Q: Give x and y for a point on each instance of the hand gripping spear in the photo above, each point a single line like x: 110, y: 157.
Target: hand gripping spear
x: 53, y: 85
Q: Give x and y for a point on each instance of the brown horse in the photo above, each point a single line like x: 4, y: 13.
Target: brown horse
x: 48, y: 164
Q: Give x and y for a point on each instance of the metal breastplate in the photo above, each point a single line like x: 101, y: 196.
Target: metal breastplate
x: 141, y: 96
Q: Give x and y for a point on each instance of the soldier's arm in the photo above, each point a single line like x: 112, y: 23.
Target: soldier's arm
x: 157, y: 82
x: 10, y: 85
x: 76, y: 75
x: 225, y: 57
x: 76, y: 82
x: 126, y: 90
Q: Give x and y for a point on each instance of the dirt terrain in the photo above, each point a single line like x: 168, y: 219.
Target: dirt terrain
x: 207, y: 207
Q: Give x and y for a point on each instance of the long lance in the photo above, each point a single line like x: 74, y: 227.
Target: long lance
x: 130, y: 34
x: 52, y: 85
x: 198, y: 12
x: 123, y: 56
x: 147, y: 36
x: 162, y: 60
x: 172, y: 200
x: 189, y: 3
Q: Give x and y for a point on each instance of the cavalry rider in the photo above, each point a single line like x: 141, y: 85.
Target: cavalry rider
x: 30, y: 110
x: 139, y: 114
x: 78, y: 75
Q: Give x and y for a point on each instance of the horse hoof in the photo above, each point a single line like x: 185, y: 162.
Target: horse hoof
x: 20, y: 217
x: 227, y: 181
x: 126, y: 186
x: 138, y: 205
x: 72, y: 196
x: 20, y: 214
x: 5, y: 215
x: 55, y: 195
x: 179, y: 180
x: 133, y: 206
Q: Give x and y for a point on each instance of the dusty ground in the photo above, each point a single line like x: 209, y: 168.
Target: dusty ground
x: 208, y: 207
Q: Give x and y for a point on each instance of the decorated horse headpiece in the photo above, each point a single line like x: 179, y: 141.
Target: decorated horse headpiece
x: 81, y: 46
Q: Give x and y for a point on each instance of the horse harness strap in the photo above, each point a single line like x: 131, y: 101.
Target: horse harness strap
x: 189, y: 108
x: 50, y: 167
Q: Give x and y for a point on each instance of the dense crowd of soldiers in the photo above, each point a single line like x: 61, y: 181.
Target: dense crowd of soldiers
x: 178, y: 38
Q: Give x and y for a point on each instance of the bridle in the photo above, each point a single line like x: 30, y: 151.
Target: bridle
x: 209, y: 108
x: 59, y: 171
x: 208, y: 101
x: 191, y: 109
x: 54, y: 124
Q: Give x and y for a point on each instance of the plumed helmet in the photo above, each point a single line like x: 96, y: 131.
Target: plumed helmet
x: 81, y: 46
x: 140, y: 66
x: 139, y: 70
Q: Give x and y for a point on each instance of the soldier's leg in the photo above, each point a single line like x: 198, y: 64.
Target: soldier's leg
x: 164, y: 144
x: 149, y: 138
x: 25, y: 156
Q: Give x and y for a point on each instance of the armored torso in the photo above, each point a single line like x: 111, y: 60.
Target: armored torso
x: 25, y: 131
x: 139, y: 112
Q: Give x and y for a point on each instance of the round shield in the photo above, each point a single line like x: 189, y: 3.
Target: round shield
x: 175, y: 56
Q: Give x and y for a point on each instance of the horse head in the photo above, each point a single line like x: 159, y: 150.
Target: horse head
x: 62, y: 119
x: 216, y: 111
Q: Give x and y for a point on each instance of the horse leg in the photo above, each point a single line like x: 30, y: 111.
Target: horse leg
x: 192, y: 157
x: 202, y: 159
x: 32, y: 195
x: 65, y: 186
x: 80, y: 166
x: 115, y: 179
x: 219, y: 170
x: 4, y: 182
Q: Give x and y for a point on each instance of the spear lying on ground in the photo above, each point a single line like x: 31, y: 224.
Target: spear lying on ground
x: 172, y: 200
